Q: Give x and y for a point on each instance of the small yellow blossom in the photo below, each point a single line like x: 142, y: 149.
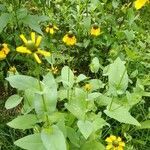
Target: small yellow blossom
x: 4, y: 50
x: 95, y: 30
x: 140, y: 3
x: 32, y: 47
x: 114, y: 143
x: 69, y: 39
x: 54, y: 70
x: 51, y: 29
x: 12, y: 70
x: 88, y: 87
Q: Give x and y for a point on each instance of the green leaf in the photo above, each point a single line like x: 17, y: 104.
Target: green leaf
x: 24, y: 122
x: 145, y: 124
x: 115, y: 3
x: 95, y: 65
x: 121, y: 114
x: 28, y: 101
x: 96, y: 84
x: 78, y: 104
x: 4, y: 20
x: 98, y: 123
x: 67, y: 77
x: 30, y: 142
x: 73, y: 136
x: 76, y: 110
x: 92, y: 145
x: 93, y: 96
x: 80, y: 78
x: 23, y: 82
x: 13, y: 101
x: 53, y: 139
x: 85, y: 127
x: 49, y: 81
x: 21, y: 13
x: 49, y: 96
x: 130, y: 35
x: 32, y: 21
x: 117, y: 77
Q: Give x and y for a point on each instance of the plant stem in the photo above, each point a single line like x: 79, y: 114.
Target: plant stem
x: 43, y: 99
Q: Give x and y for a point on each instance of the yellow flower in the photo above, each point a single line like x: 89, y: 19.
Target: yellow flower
x: 114, y: 143
x: 32, y: 47
x: 12, y: 70
x: 51, y: 29
x: 88, y: 87
x: 140, y: 3
x: 54, y: 70
x: 69, y: 39
x: 4, y: 50
x: 95, y: 30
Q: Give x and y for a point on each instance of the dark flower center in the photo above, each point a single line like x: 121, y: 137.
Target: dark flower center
x: 95, y: 26
x: 50, y: 26
x: 70, y: 35
x: 115, y: 143
x: 31, y: 46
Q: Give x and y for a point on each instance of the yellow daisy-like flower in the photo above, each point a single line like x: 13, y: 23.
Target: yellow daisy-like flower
x: 4, y: 50
x: 69, y: 39
x: 114, y: 143
x: 32, y: 47
x: 87, y: 87
x: 140, y: 3
x: 12, y: 70
x: 51, y: 29
x: 54, y: 70
x: 95, y: 30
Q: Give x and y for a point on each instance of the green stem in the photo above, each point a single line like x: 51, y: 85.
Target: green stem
x: 8, y: 62
x: 43, y: 99
x: 68, y: 91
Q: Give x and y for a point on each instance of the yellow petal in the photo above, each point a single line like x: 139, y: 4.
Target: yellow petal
x: 65, y: 38
x: 23, y: 38
x: 47, y: 29
x: 22, y: 49
x: 95, y: 32
x: 5, y: 49
x: 44, y: 53
x: 121, y: 144
x: 51, y: 31
x: 109, y: 146
x: 55, y: 27
x: 109, y: 140
x: 120, y: 148
x: 33, y: 37
x: 37, y: 58
x: 2, y: 55
x: 139, y: 3
x: 38, y: 41
x: 119, y: 139
x: 113, y: 138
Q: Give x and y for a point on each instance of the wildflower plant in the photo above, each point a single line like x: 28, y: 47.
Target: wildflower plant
x: 103, y: 103
x: 32, y: 47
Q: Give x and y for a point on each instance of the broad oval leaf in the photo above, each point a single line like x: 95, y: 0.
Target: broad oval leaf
x: 122, y: 115
x: 30, y: 142
x: 85, y: 127
x: 23, y: 82
x: 27, y: 121
x: 53, y: 139
x: 13, y: 101
x: 67, y: 77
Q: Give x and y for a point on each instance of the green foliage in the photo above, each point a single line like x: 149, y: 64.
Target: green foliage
x: 82, y: 93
